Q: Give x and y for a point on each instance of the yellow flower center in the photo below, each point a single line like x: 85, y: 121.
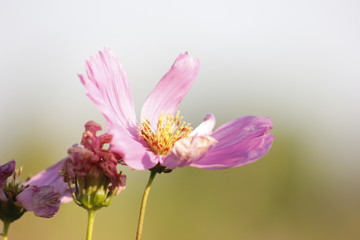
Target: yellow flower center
x: 169, y: 130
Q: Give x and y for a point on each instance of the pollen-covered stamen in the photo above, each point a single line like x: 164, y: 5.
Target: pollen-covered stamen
x: 169, y: 130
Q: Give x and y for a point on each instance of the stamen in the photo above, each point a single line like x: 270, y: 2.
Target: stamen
x: 169, y: 130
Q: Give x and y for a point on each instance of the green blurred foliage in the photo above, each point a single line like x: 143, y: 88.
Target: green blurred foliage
x: 278, y: 197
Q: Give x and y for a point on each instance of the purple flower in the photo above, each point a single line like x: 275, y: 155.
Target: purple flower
x: 91, y: 169
x: 41, y: 194
x: 162, y: 139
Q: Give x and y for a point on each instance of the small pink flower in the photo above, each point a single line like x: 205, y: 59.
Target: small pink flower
x: 41, y: 194
x: 162, y: 139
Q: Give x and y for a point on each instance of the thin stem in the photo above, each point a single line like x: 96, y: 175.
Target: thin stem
x: 5, y: 230
x: 91, y: 218
x: 143, y: 205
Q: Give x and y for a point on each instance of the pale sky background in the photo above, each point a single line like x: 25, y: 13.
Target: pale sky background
x: 294, y: 61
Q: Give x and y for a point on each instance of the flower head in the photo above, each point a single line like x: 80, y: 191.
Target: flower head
x: 92, y: 170
x: 41, y: 194
x: 162, y: 140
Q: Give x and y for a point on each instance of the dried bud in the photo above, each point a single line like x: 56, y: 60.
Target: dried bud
x: 91, y: 170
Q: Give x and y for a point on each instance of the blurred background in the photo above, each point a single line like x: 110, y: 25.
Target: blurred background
x: 294, y: 61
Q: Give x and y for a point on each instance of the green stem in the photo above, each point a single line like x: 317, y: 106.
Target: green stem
x: 91, y: 218
x: 143, y: 205
x: 5, y: 230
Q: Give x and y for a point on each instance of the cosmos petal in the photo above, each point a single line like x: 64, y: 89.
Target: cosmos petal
x: 171, y: 89
x: 240, y: 141
x: 107, y: 86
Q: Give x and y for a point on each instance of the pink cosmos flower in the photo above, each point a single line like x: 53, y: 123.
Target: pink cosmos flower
x: 41, y: 194
x: 162, y: 138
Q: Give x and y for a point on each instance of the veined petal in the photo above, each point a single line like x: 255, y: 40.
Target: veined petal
x: 240, y: 141
x: 132, y: 150
x: 51, y: 176
x: 107, y: 86
x: 171, y: 89
x: 44, y: 201
x: 206, y: 127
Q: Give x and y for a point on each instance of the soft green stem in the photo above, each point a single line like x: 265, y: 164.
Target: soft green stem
x: 91, y: 218
x: 5, y: 230
x: 143, y: 205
